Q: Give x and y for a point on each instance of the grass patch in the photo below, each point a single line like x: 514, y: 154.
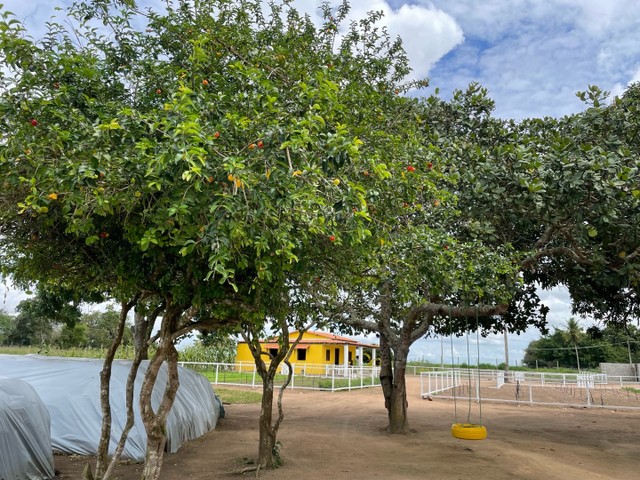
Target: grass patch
x: 228, y: 395
x: 631, y: 389
x: 223, y: 376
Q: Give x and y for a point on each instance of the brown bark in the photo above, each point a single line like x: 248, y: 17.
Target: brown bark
x: 155, y: 420
x: 397, y: 410
x: 268, y: 456
x: 131, y: 378
x: 393, y: 382
x: 102, y: 457
x: 267, y: 440
x: 154, y: 456
x: 386, y: 371
x: 141, y: 334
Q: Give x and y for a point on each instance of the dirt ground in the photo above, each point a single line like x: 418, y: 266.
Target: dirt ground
x: 342, y: 435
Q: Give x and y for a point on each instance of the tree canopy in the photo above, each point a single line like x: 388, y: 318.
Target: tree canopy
x: 594, y: 346
x: 218, y: 162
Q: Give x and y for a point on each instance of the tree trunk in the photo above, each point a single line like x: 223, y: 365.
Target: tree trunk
x: 141, y: 334
x: 393, y: 367
x: 130, y: 421
x: 386, y: 371
x: 102, y: 457
x: 267, y: 435
x: 154, y: 456
x: 155, y: 421
x: 268, y: 454
x: 397, y: 409
x: 143, y: 320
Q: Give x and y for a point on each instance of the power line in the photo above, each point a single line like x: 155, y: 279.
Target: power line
x: 585, y: 347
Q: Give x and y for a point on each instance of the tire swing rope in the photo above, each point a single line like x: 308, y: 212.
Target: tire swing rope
x: 469, y: 431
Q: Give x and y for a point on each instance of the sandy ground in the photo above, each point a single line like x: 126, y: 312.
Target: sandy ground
x: 342, y: 435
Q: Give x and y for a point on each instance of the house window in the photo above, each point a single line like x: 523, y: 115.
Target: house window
x: 273, y: 352
x: 302, y: 354
x: 327, y: 356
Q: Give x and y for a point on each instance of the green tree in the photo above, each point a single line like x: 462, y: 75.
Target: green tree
x: 605, y: 284
x: 562, y: 192
x: 597, y: 345
x: 574, y: 334
x: 6, y: 325
x: 101, y: 327
x: 533, y: 204
x: 184, y: 170
x: 75, y: 336
x: 560, y: 189
x: 30, y: 328
x: 432, y: 266
x: 40, y: 317
x: 210, y: 346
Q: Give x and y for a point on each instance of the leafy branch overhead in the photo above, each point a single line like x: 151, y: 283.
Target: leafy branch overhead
x: 224, y: 164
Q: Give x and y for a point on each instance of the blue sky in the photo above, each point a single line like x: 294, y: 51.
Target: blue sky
x: 532, y: 56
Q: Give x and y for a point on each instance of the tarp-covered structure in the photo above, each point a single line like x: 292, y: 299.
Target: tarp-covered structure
x: 70, y: 389
x: 25, y: 438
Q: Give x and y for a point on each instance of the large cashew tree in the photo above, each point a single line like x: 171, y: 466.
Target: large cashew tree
x: 181, y: 162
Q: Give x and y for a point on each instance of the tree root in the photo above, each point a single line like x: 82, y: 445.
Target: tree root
x: 87, y: 473
x: 252, y: 468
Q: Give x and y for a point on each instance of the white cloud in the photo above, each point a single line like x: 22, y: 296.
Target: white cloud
x: 35, y: 13
x: 618, y: 89
x: 427, y: 33
x: 533, y: 56
x: 10, y: 297
x: 492, y: 346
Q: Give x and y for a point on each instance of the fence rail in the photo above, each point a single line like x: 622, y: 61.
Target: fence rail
x: 529, y: 376
x: 589, y: 390
x: 305, y: 376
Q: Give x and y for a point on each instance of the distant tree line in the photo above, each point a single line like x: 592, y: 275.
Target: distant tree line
x: 44, y: 321
x: 38, y: 323
x: 575, y: 347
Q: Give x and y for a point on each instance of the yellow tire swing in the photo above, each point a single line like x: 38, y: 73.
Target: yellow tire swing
x: 468, y: 430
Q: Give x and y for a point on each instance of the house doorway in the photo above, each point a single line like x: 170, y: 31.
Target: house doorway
x: 337, y: 359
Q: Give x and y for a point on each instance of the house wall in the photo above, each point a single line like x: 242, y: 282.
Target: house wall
x: 243, y: 355
x: 316, y: 355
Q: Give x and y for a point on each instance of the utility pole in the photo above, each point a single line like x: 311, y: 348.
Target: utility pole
x: 506, y: 355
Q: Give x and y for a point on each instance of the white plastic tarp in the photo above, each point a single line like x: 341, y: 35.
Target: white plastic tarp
x: 70, y: 389
x: 25, y: 437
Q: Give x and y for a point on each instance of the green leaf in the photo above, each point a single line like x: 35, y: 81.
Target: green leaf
x: 91, y: 240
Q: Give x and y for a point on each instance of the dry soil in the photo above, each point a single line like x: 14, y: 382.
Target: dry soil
x: 342, y: 436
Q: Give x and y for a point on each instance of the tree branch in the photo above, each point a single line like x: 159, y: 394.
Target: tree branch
x: 553, y: 252
x: 434, y: 309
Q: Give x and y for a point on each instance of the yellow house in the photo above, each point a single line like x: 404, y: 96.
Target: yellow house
x: 317, y: 352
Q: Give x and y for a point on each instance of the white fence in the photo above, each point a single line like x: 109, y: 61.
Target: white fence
x: 529, y: 376
x: 554, y: 389
x: 437, y: 382
x: 304, y: 376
